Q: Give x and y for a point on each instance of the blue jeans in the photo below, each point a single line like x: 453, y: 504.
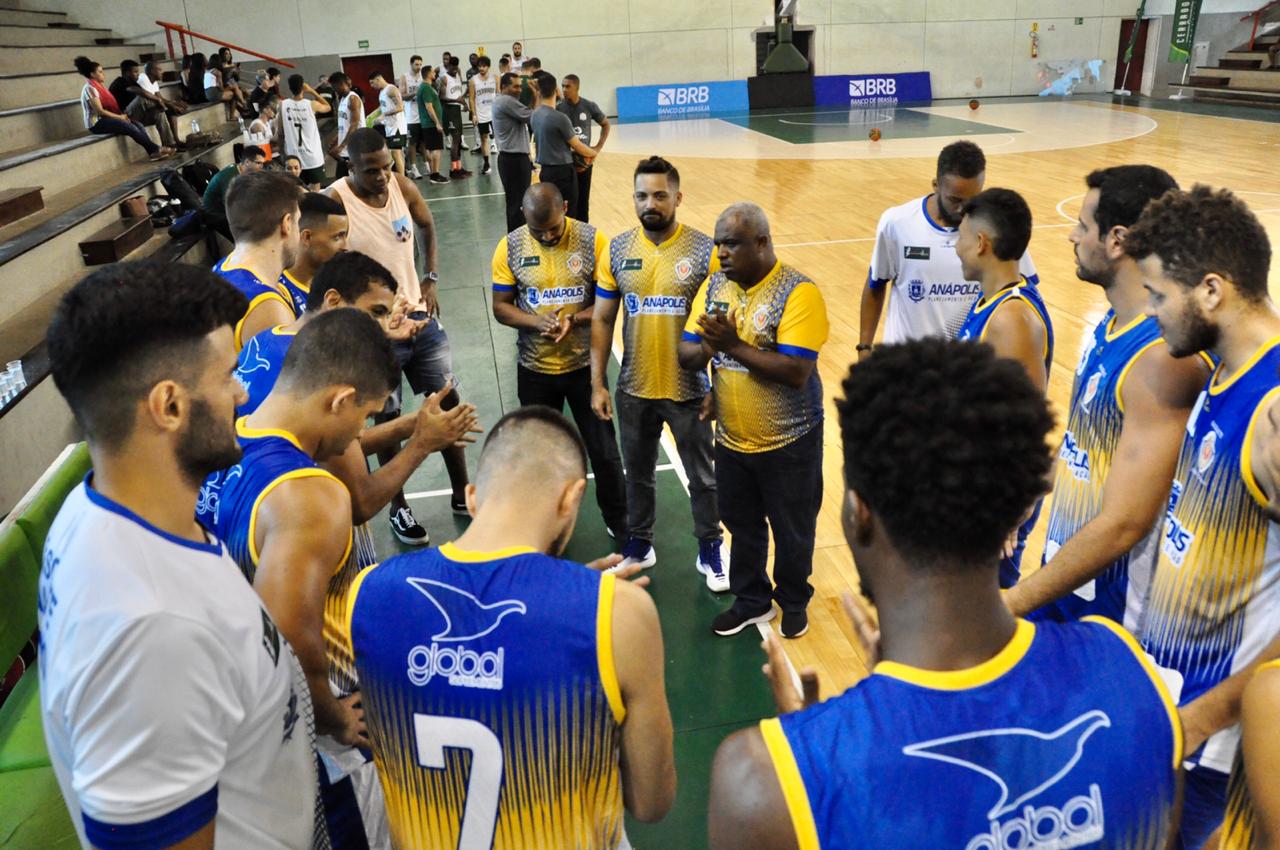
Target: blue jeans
x: 116, y: 127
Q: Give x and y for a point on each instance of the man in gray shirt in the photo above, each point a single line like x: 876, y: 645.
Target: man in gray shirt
x: 511, y: 130
x: 581, y: 113
x: 557, y: 143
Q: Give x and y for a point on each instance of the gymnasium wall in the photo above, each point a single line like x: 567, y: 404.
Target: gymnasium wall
x: 972, y: 47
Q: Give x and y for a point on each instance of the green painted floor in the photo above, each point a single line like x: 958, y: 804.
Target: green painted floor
x: 810, y: 127
x: 714, y: 684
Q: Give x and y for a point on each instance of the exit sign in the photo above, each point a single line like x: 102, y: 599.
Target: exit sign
x: 1079, y: 22
x: 363, y: 44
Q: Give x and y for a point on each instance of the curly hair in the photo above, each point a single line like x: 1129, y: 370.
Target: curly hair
x: 947, y: 444
x: 963, y: 159
x: 128, y: 326
x: 1008, y: 215
x: 1204, y: 232
x: 1124, y: 192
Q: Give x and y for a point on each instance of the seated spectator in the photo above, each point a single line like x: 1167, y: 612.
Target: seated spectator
x: 268, y: 87
x: 215, y: 194
x: 150, y: 81
x: 193, y: 78
x: 260, y: 129
x: 293, y: 166
x: 217, y: 88
x: 230, y: 69
x: 142, y: 106
x: 102, y: 115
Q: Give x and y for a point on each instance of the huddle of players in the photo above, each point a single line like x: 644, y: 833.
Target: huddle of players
x: 137, y: 598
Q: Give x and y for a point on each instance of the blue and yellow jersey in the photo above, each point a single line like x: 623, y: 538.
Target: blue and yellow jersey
x: 1084, y: 461
x: 657, y: 285
x: 559, y: 280
x: 1067, y: 734
x: 1215, y: 595
x: 491, y: 698
x: 258, y: 365
x: 254, y: 288
x: 1239, y: 827
x: 297, y: 290
x: 228, y: 505
x: 980, y: 312
x: 784, y: 313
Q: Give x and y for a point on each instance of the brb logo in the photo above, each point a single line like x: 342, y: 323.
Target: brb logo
x: 684, y: 96
x: 466, y: 618
x: 873, y: 91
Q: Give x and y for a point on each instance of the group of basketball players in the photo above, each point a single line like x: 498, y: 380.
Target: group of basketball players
x: 224, y: 662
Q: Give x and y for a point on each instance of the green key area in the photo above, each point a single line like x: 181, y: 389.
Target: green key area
x: 847, y: 125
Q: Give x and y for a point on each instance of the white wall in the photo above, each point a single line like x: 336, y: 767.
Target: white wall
x: 972, y: 47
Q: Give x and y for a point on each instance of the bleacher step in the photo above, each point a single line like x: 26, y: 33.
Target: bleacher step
x: 20, y: 203
x: 20, y: 91
x: 108, y: 41
x: 52, y: 122
x: 114, y: 242
x: 1240, y: 64
x: 24, y: 34
x: 29, y: 16
x: 59, y: 58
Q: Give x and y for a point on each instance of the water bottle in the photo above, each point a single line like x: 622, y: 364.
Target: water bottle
x: 243, y: 128
x: 14, y: 369
x: 195, y: 125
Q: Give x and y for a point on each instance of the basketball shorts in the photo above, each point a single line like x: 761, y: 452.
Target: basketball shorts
x: 433, y: 139
x: 486, y: 127
x: 453, y: 118
x: 415, y: 134
x: 313, y: 175
x: 397, y: 142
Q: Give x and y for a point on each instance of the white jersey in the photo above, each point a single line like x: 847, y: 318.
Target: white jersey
x: 409, y: 91
x: 345, y: 117
x: 301, y: 133
x: 169, y: 696
x: 486, y: 91
x: 452, y: 88
x: 392, y: 125
x: 930, y: 295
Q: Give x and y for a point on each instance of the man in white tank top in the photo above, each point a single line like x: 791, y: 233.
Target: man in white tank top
x: 300, y: 132
x: 392, y: 119
x: 350, y: 117
x: 174, y: 710
x: 408, y: 85
x: 385, y: 213
x: 482, y: 89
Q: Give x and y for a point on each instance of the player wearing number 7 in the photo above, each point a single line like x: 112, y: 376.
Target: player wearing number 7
x: 513, y: 699
x: 301, y: 133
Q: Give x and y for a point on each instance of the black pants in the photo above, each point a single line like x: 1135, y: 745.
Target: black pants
x: 565, y: 178
x: 584, y: 196
x: 602, y: 442
x: 782, y: 490
x: 516, y: 173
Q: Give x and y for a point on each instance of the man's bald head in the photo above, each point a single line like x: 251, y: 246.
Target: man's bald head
x: 544, y: 211
x: 533, y: 452
x: 743, y: 244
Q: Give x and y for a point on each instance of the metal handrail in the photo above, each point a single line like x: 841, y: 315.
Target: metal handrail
x: 1257, y: 19
x: 170, y: 28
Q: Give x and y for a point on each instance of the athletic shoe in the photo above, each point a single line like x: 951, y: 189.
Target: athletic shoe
x: 476, y: 149
x: 493, y: 147
x: 407, y: 529
x: 637, y: 551
x: 733, y: 621
x: 458, y: 506
x: 437, y: 177
x: 710, y: 565
x: 794, y: 623
x: 486, y: 168
x: 415, y: 173
x: 464, y: 172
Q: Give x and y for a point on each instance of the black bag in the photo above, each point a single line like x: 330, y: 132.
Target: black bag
x: 198, y: 174
x: 177, y: 186
x: 163, y: 210
x: 187, y: 224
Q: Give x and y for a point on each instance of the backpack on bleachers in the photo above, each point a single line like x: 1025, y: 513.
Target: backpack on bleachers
x: 198, y: 174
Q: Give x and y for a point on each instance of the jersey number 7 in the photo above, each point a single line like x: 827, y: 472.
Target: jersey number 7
x: 480, y: 813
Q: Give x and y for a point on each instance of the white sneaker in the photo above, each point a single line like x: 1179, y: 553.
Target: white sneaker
x: 415, y: 173
x: 637, y: 551
x: 715, y: 569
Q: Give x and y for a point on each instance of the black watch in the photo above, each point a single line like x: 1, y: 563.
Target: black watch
x: 863, y: 346
x: 433, y: 277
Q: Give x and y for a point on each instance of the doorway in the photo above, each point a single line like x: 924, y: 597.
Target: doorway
x: 1131, y: 78
x: 358, y: 68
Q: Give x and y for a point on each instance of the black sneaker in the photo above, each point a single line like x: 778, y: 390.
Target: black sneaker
x: 407, y: 529
x: 437, y: 177
x: 476, y: 149
x: 486, y: 168
x: 733, y: 621
x: 794, y: 624
x: 464, y: 172
x: 459, y: 506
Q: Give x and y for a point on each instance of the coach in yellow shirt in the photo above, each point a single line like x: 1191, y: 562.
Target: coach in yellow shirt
x: 654, y: 271
x: 761, y: 325
x: 544, y: 278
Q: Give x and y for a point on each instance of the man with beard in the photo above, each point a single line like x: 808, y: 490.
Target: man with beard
x: 544, y: 276
x: 1213, y: 611
x: 916, y: 251
x: 550, y: 672
x: 1129, y: 405
x: 173, y: 711
x: 655, y: 270
x: 262, y: 212
x: 287, y: 522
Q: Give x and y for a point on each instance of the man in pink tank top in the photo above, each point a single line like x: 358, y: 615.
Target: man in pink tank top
x: 385, y: 215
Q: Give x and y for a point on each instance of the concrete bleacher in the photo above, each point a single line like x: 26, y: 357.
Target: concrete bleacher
x: 1245, y: 74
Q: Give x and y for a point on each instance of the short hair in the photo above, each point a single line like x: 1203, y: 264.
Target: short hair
x: 571, y: 78
x: 1204, y: 232
x: 339, y: 77
x: 250, y: 151
x: 962, y: 159
x: 340, y: 347
x: 507, y: 79
x: 1008, y: 215
x: 273, y: 72
x: 315, y: 207
x: 533, y: 442
x: 296, y: 82
x: 364, y: 140
x: 151, y: 65
x: 256, y: 202
x: 1124, y: 192
x: 750, y: 213
x: 85, y: 66
x: 546, y: 84
x: 484, y: 62
x: 514, y: 43
x: 350, y: 274
x: 127, y: 65
x: 657, y: 165
x: 923, y: 425
x: 532, y: 62
x: 127, y: 326
x: 413, y: 57
x: 374, y: 75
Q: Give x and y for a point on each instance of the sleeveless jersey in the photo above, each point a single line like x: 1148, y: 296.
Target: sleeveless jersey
x: 784, y: 313
x: 258, y: 365
x: 974, y: 328
x: 1239, y: 828
x: 1066, y: 735
x: 229, y: 502
x: 507, y: 655
x: 559, y: 280
x: 395, y: 124
x: 301, y: 133
x: 344, y: 119
x: 409, y: 92
x: 657, y: 285
x: 486, y: 93
x: 1084, y: 460
x: 1215, y: 595
x: 297, y: 291
x: 385, y: 233
x: 254, y: 288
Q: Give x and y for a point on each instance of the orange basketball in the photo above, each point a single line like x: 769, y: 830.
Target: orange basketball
x: 974, y: 104
x: 874, y: 134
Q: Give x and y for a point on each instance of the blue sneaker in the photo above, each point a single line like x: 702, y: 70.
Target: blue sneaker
x: 637, y: 551
x: 711, y: 563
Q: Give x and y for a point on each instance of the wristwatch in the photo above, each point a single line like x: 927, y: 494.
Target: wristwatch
x: 433, y: 277
x: 863, y: 346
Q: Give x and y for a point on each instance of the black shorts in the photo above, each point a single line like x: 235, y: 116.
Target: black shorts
x: 397, y: 142
x: 453, y: 118
x: 313, y: 175
x: 432, y: 139
x: 415, y: 134
x: 485, y: 127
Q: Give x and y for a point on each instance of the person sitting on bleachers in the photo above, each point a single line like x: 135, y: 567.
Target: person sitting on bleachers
x: 219, y: 87
x: 268, y: 86
x: 193, y: 78
x: 102, y: 114
x: 141, y: 106
x: 260, y: 130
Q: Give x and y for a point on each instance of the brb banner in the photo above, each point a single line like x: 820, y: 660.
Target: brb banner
x: 682, y: 100
x: 872, y: 89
